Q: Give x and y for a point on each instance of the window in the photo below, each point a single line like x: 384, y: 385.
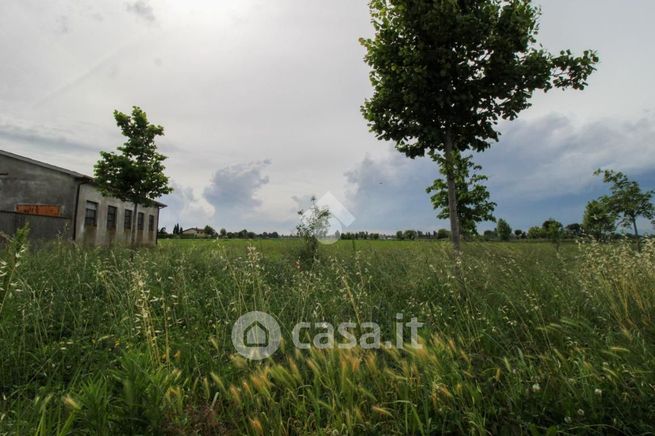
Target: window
x: 140, y: 221
x: 127, y: 223
x: 112, y: 212
x: 151, y: 223
x: 91, y: 214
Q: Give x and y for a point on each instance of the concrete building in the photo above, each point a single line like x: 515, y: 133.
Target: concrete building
x: 57, y: 202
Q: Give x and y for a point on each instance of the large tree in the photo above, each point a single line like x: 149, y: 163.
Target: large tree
x: 136, y: 173
x: 444, y: 72
x: 473, y: 204
x: 626, y: 200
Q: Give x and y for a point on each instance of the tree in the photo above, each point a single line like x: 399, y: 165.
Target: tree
x: 410, y: 235
x: 490, y: 235
x: 536, y: 232
x: 443, y: 234
x: 598, y: 220
x: 136, y: 175
x: 626, y: 200
x: 444, y: 72
x: 313, y: 226
x: 473, y: 205
x: 399, y: 235
x: 503, y: 230
x: 573, y: 230
x: 223, y: 233
x: 520, y: 234
x: 553, y: 230
x: 209, y: 230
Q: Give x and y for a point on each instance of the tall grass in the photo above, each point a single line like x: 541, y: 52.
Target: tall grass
x: 517, y: 338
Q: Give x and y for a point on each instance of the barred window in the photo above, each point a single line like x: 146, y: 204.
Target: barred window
x: 112, y: 213
x: 140, y: 221
x: 127, y: 223
x: 91, y: 214
x: 151, y: 223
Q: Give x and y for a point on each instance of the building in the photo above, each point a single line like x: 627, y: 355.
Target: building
x: 59, y: 203
x: 195, y: 231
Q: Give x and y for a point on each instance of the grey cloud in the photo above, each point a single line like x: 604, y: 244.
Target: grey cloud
x: 389, y: 193
x: 553, y: 156
x: 540, y: 168
x: 142, y: 9
x: 235, y: 187
x: 44, y: 137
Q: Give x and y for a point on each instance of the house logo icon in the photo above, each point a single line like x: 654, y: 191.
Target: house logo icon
x: 256, y: 335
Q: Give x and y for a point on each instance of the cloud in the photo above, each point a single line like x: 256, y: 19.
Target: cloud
x: 540, y: 168
x: 554, y: 156
x: 44, y: 136
x: 235, y: 187
x: 142, y: 9
x: 186, y: 208
x: 388, y: 193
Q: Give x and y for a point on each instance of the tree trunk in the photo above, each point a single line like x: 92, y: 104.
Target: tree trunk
x: 452, y: 194
x: 634, y: 226
x: 135, y: 224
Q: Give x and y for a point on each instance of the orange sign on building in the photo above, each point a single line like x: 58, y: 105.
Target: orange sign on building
x: 39, y: 209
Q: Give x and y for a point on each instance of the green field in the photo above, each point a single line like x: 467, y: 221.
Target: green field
x: 518, y: 337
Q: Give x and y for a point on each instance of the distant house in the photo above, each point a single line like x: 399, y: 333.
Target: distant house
x: 57, y: 202
x: 195, y: 231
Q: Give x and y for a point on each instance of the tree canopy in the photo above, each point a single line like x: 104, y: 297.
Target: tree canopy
x: 444, y: 72
x: 626, y: 199
x: 136, y: 174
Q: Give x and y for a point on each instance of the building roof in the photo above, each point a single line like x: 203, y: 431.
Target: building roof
x: 74, y: 174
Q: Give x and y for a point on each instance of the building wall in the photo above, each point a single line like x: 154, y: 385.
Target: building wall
x: 25, y: 183
x: 100, y: 234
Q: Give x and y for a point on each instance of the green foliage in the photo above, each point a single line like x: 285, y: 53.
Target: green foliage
x: 553, y: 230
x: 209, y: 231
x: 313, y: 226
x: 136, y: 174
x: 473, y: 204
x: 113, y: 341
x: 503, y: 230
x: 536, y: 232
x: 626, y: 200
x: 599, y: 220
x: 444, y: 72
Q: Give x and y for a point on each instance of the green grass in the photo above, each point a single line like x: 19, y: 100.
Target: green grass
x: 517, y: 338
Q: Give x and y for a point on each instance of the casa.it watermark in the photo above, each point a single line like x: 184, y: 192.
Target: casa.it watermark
x: 257, y: 335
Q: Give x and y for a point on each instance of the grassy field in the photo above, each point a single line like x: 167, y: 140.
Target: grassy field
x: 517, y: 338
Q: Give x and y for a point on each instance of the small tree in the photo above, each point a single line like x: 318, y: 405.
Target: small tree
x: 209, y: 230
x: 444, y: 72
x: 553, y: 230
x: 314, y: 224
x: 136, y: 174
x: 626, y: 200
x: 473, y: 204
x: 503, y: 230
x: 598, y: 220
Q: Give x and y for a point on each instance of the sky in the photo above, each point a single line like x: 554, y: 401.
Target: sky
x: 260, y: 101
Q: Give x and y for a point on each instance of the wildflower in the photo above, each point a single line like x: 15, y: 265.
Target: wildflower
x: 598, y: 392
x: 536, y: 388
x: 580, y: 412
x: 567, y: 419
